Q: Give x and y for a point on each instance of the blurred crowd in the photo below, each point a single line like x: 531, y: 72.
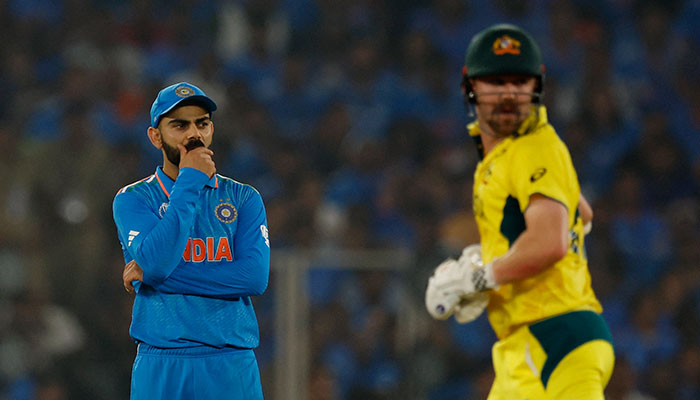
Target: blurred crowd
x: 347, y: 116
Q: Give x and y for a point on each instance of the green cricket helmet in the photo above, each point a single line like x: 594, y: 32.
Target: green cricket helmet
x: 502, y: 49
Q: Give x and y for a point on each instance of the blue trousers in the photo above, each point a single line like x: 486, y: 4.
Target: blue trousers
x: 201, y: 373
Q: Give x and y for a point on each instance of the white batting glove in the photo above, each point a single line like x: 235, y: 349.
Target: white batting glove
x: 471, y: 255
x: 442, y: 295
x: 471, y: 307
x: 456, y: 280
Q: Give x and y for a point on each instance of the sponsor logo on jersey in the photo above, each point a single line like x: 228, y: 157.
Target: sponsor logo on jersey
x: 539, y: 172
x: 208, y: 249
x: 226, y: 212
x: 506, y: 45
x: 265, y: 234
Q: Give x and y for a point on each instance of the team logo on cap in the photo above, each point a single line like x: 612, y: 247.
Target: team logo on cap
x: 506, y: 45
x: 226, y: 212
x: 184, y: 91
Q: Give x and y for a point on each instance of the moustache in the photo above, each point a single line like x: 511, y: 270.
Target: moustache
x: 507, y: 110
x: 506, y: 106
x: 193, y: 144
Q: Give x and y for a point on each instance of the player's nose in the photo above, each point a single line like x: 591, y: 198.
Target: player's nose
x: 509, y: 90
x: 193, y: 132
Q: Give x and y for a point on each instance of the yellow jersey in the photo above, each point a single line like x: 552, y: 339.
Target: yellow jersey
x: 534, y: 160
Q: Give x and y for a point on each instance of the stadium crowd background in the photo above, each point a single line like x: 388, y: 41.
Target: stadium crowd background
x: 347, y: 116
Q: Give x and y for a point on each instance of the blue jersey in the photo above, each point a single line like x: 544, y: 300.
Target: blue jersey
x: 204, y: 249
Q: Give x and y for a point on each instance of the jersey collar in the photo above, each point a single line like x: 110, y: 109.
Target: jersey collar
x: 536, y: 119
x: 166, y: 184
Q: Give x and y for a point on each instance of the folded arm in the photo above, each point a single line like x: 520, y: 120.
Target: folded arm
x: 246, y: 275
x: 157, y: 244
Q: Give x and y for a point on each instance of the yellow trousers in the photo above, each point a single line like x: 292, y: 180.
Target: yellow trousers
x: 565, y: 357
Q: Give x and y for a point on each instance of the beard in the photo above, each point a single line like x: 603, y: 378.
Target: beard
x: 506, y: 118
x: 173, y: 153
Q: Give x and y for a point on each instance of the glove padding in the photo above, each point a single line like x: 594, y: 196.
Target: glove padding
x: 451, y: 289
x: 443, y: 293
x: 471, y: 307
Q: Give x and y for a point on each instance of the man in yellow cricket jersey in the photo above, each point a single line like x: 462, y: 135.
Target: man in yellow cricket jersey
x: 531, y: 267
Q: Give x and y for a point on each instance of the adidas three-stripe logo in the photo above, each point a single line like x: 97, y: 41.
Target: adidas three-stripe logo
x: 132, y: 235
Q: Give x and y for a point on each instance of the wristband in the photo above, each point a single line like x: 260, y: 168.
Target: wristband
x: 483, y: 278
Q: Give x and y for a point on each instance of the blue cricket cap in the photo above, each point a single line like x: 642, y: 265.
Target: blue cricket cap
x: 173, y: 95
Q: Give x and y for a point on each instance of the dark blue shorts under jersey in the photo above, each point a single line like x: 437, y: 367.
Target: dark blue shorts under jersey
x: 195, y: 374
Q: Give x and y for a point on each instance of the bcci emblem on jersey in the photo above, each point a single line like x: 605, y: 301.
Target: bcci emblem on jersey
x: 226, y: 213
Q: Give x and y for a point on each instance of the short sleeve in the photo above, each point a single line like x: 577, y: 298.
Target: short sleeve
x: 543, y: 168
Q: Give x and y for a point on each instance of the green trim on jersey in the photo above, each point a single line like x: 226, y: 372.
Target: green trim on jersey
x: 135, y: 185
x: 560, y: 335
x: 513, y: 223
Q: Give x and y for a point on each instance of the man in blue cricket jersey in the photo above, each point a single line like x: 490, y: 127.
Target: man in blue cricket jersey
x: 197, y: 248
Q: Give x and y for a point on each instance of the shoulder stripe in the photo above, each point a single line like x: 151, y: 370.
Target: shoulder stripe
x: 148, y: 179
x: 226, y: 178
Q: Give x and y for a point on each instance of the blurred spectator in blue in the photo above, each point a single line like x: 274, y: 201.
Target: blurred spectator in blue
x: 357, y: 181
x: 689, y: 367
x: 325, y: 146
x: 531, y: 15
x: 427, y: 89
x: 665, y: 168
x: 391, y: 225
x: 253, y: 36
x: 608, y: 121
x: 639, y: 232
x: 563, y: 51
x: 645, y: 49
x: 368, y: 89
x: 650, y: 337
x: 625, y: 382
x: 298, y: 98
x: 40, y: 337
x: 322, y: 384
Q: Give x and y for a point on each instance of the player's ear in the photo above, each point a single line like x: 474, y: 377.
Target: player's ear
x: 155, y: 136
x: 208, y: 140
